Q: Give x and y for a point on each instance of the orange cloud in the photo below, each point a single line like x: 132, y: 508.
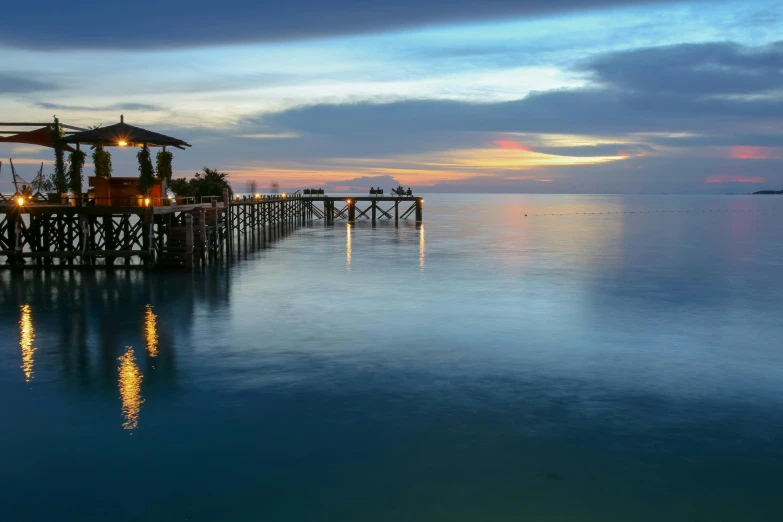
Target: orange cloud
x: 511, y: 144
x: 734, y: 179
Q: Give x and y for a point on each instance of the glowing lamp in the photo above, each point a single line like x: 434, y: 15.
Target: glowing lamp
x: 348, y: 201
x: 20, y: 201
x: 122, y: 143
x: 146, y: 202
x: 284, y: 194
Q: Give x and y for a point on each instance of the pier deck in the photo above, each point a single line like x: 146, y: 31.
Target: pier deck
x: 40, y: 235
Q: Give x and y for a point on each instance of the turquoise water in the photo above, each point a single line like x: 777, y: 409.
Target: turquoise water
x: 618, y: 361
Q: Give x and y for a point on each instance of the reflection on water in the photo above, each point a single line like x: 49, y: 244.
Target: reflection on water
x: 348, y: 247
x: 26, y: 336
x: 130, y: 389
x: 421, y: 248
x: 150, y: 331
x: 559, y: 367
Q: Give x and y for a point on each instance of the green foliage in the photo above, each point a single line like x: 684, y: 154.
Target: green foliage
x: 44, y: 184
x: 210, y: 182
x: 163, y: 164
x: 102, y: 160
x: 60, y: 179
x: 75, y: 166
x: 146, y: 171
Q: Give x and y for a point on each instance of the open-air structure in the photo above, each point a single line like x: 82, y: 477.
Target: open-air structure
x: 116, y: 224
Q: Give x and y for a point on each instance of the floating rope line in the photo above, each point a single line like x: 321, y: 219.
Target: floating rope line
x: 654, y: 212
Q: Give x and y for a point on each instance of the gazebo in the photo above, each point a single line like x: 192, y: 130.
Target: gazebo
x: 123, y: 135
x: 124, y: 190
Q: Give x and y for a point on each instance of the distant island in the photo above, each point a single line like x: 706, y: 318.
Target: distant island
x: 769, y: 192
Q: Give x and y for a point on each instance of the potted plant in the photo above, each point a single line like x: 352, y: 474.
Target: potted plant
x: 59, y: 177
x: 146, y: 171
x: 74, y: 175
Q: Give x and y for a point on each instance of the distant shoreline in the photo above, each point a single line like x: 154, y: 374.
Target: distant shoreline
x: 768, y: 192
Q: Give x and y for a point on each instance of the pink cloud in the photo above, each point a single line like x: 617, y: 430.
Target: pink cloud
x: 511, y: 144
x: 749, y: 152
x: 734, y: 179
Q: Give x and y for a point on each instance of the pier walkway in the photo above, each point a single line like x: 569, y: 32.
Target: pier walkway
x: 41, y: 235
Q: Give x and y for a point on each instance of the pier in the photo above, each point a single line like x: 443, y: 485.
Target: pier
x: 44, y: 235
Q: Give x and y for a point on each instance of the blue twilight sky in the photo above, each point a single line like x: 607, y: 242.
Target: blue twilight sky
x: 498, y: 95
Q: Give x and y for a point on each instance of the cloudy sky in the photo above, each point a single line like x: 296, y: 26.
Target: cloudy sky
x: 591, y: 96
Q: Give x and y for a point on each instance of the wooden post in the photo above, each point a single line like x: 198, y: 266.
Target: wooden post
x: 108, y: 232
x: 84, y: 238
x: 396, y: 213
x: 374, y: 206
x: 351, y: 211
x: 227, y: 219
x: 46, y: 238
x: 189, y: 239
x: 419, y: 209
x: 202, y: 231
x: 15, y: 235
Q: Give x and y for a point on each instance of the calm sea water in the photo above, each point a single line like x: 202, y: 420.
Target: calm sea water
x: 618, y: 361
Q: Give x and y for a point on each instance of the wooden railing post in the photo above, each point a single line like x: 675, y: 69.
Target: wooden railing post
x: 189, y: 239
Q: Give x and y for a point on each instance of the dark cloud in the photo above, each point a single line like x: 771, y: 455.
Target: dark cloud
x: 698, y: 69
x: 19, y: 84
x: 181, y: 23
x: 114, y: 107
x: 633, y: 101
x: 582, y: 111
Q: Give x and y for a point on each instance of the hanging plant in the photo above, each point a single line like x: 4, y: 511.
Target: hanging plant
x: 60, y: 179
x: 75, y: 166
x: 146, y: 171
x: 163, y: 167
x: 102, y: 160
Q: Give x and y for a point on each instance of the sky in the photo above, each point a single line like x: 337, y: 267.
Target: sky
x: 583, y: 96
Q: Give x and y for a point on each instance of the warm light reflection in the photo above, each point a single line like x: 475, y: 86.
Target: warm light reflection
x: 348, y: 248
x: 421, y: 248
x: 130, y: 389
x: 151, y: 331
x: 26, y: 337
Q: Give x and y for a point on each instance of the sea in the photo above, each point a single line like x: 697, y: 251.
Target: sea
x: 547, y: 358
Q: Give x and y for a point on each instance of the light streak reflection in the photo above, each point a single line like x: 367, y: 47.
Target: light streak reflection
x: 151, y: 331
x: 348, y: 247
x: 130, y: 389
x: 421, y: 248
x: 26, y: 337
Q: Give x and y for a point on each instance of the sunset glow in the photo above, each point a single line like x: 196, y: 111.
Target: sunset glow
x: 511, y: 144
x: 750, y: 153
x: 735, y: 179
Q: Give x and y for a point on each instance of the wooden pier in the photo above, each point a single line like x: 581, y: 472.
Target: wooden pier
x: 42, y: 235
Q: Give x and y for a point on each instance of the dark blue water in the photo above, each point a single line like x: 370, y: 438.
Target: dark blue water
x: 613, y: 362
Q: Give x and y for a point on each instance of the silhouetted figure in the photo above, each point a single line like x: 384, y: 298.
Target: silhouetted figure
x: 410, y: 192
